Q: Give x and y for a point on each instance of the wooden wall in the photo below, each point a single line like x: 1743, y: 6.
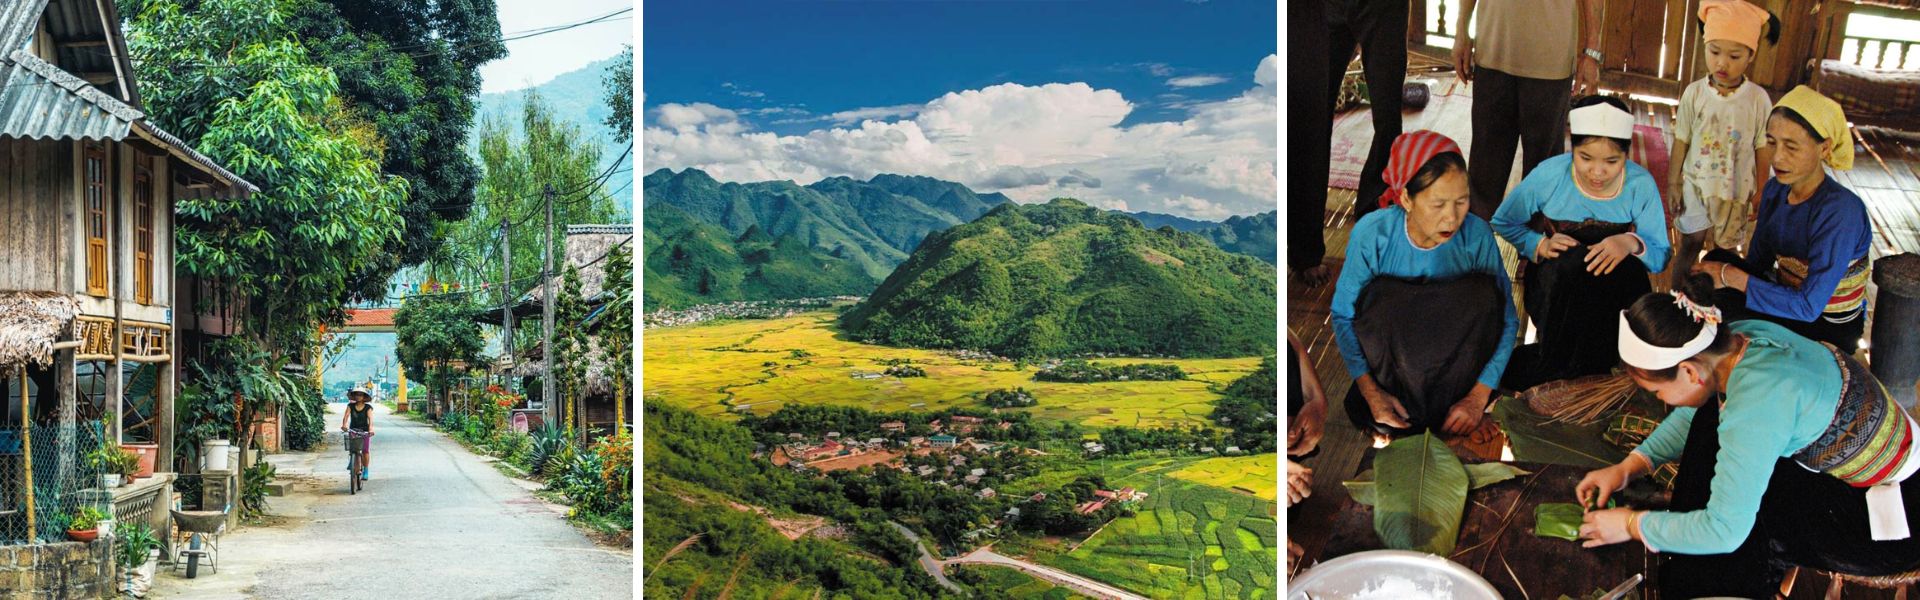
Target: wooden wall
x: 35, y: 191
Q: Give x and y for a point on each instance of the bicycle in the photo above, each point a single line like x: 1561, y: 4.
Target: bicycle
x: 356, y: 442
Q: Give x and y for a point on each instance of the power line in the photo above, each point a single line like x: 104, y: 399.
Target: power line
x: 531, y: 33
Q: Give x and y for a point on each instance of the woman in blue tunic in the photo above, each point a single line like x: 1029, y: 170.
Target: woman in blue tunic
x: 1420, y: 256
x: 1790, y: 453
x: 1807, y: 266
x: 1592, y: 226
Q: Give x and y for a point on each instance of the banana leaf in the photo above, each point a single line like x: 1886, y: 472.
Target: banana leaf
x: 1421, y: 495
x: 1363, y: 490
x: 1481, y: 475
x: 1535, y: 440
x: 1560, y: 520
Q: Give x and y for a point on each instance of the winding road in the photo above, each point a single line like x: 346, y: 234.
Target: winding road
x: 986, y: 556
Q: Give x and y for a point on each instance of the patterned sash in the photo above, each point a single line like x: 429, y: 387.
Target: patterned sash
x: 1870, y: 438
x: 1848, y: 297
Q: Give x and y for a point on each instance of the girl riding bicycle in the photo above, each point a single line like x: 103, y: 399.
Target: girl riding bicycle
x: 359, y: 417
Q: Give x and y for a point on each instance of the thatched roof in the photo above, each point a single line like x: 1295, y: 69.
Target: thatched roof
x: 30, y: 322
x: 586, y: 249
x: 532, y: 364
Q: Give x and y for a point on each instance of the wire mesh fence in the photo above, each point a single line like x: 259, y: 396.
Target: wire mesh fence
x: 46, y: 479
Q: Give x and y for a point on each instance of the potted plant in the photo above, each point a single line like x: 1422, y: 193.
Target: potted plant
x: 146, y: 453
x: 85, y: 525
x: 125, y: 463
x: 137, y: 554
x: 103, y: 459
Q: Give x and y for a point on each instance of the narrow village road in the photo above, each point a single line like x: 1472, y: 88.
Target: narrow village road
x: 985, y: 556
x: 435, y: 521
x: 926, y: 559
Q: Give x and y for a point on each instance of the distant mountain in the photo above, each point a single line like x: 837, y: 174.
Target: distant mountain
x: 878, y: 222
x: 689, y: 262
x: 1064, y: 278
x: 578, y: 98
x: 874, y: 224
x: 1254, y: 235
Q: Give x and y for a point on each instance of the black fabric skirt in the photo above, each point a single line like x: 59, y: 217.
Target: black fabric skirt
x: 1732, y: 302
x: 1806, y: 518
x: 1426, y: 344
x: 1575, y: 313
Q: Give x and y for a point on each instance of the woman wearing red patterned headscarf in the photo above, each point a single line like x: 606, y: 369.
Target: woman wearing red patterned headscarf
x: 1422, y: 310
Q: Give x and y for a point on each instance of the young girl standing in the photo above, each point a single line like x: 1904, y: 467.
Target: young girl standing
x: 1720, y: 135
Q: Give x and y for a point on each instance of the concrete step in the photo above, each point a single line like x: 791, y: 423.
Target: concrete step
x: 278, y: 488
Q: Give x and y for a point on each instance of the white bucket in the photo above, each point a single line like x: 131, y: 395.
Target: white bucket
x: 213, y: 455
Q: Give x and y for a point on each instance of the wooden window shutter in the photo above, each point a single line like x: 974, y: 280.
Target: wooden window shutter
x: 142, y: 234
x: 94, y: 169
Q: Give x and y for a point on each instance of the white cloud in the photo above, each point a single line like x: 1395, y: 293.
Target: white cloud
x: 742, y: 92
x: 1197, y: 207
x: 850, y: 117
x: 1032, y: 142
x: 1193, y: 81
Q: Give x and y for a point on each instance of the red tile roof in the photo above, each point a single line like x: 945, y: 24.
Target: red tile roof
x: 378, y: 317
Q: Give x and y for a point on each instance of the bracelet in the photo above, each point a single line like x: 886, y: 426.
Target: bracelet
x: 1633, y: 525
x: 1723, y: 274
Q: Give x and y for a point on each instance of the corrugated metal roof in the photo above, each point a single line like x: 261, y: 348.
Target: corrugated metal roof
x: 40, y: 101
x: 18, y: 20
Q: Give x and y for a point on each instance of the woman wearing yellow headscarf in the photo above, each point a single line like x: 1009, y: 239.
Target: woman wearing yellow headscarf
x: 1806, y: 267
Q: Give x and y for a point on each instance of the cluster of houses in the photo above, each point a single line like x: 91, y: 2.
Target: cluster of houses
x: 1101, y: 498
x: 759, y: 309
x: 802, y: 452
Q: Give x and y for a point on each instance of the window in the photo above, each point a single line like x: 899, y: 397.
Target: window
x: 142, y: 234
x: 94, y: 169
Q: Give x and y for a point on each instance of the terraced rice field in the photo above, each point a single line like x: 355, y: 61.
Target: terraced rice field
x: 1187, y: 540
x: 766, y: 364
x: 1253, y: 474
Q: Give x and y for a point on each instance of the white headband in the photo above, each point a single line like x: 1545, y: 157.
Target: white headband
x: 1601, y: 119
x: 1647, y: 356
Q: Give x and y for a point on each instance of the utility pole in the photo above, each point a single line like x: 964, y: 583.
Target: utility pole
x: 506, y: 295
x: 547, y: 296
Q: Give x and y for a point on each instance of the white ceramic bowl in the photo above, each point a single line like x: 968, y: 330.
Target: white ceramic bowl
x: 1390, y: 574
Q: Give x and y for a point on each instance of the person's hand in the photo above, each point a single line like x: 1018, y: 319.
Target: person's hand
x: 1299, y: 482
x: 1294, y: 552
x: 1600, y: 484
x: 1465, y: 415
x: 1586, y: 77
x: 1387, y: 409
x: 1604, y: 256
x: 1754, y: 203
x: 1551, y: 246
x: 1463, y: 58
x: 1724, y: 275
x: 1306, y: 428
x: 1604, y: 527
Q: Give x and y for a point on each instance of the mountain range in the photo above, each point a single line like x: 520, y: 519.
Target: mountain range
x: 1064, y: 278
x: 689, y: 262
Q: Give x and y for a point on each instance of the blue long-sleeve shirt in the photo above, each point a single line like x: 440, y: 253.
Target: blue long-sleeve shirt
x: 1829, y: 231
x: 1780, y: 398
x: 1380, y: 246
x: 1550, y: 190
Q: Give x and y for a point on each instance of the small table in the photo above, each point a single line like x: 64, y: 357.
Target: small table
x: 1546, y: 567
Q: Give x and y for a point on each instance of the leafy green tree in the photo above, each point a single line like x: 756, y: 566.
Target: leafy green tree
x: 619, y: 83
x: 433, y: 330
x: 616, y: 328
x: 233, y: 81
x: 515, y: 171
x: 412, y: 68
x: 571, y: 350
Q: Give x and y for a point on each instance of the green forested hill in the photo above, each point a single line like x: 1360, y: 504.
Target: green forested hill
x: 1065, y: 278
x: 689, y: 262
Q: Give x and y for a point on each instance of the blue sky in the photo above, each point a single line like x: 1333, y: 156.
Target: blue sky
x: 535, y: 60
x: 998, y: 95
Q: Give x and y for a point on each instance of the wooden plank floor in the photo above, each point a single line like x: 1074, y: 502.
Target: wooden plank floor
x: 1886, y: 175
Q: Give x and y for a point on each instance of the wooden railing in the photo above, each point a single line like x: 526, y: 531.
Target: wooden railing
x: 1880, y: 53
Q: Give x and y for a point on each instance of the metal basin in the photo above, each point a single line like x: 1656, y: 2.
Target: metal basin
x: 1390, y: 574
